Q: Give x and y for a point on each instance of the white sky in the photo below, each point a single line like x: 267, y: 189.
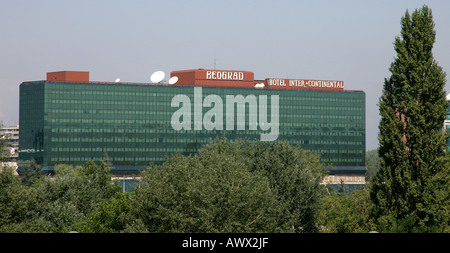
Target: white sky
x: 321, y: 39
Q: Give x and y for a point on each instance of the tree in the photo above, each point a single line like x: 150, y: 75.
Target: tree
x: 212, y: 191
x: 413, y: 181
x: 30, y: 173
x: 99, y: 176
x: 73, y: 194
x: 237, y: 186
x: 17, y: 202
x: 372, y: 164
x: 111, y: 216
x: 295, y: 174
x: 346, y: 213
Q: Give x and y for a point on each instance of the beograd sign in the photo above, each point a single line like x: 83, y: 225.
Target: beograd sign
x: 277, y: 83
x: 225, y: 75
x: 215, y: 78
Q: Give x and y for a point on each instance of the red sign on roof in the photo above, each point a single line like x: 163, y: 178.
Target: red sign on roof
x: 214, y: 78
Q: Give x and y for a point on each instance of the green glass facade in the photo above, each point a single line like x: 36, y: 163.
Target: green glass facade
x: 75, y: 122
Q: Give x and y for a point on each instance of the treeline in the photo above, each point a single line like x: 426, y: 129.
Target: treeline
x: 227, y: 187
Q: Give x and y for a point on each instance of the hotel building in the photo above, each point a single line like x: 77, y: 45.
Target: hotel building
x: 69, y: 119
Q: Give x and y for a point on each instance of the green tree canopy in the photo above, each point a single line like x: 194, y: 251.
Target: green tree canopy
x: 296, y: 175
x: 372, y: 164
x: 413, y: 180
x: 230, y: 187
x: 347, y: 213
x: 53, y: 204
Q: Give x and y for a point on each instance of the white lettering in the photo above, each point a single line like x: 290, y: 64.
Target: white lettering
x: 305, y: 83
x: 194, y: 243
x: 216, y: 112
x: 277, y: 82
x: 224, y: 75
x: 183, y: 113
x: 198, y: 108
x: 240, y: 102
x: 273, y: 126
x: 214, y: 118
x: 258, y: 243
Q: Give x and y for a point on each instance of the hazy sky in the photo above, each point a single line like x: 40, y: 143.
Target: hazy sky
x: 331, y: 40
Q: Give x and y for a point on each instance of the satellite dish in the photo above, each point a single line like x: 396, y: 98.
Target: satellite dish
x: 117, y: 80
x: 173, y: 80
x: 157, y: 77
x: 259, y: 85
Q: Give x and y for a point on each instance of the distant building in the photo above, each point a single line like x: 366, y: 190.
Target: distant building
x: 12, y: 143
x: 69, y: 119
x: 11, y: 134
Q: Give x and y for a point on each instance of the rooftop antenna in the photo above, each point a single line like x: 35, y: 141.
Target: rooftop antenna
x: 173, y: 80
x: 157, y: 77
x: 214, y: 63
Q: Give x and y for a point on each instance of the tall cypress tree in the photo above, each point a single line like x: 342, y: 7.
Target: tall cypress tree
x: 412, y: 185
